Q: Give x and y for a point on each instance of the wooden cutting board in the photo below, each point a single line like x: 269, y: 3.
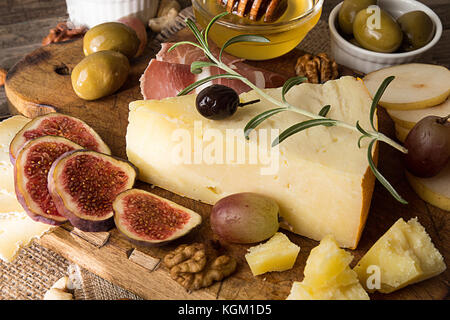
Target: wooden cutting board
x: 40, y: 83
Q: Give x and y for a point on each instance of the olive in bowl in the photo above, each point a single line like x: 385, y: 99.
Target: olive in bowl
x: 352, y: 54
x: 418, y: 29
x: 100, y: 74
x: 348, y: 13
x: 384, y: 37
x: 113, y: 36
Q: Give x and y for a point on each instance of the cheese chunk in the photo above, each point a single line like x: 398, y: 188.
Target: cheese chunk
x: 16, y: 228
x: 277, y: 254
x: 328, y: 275
x: 319, y: 177
x: 404, y: 255
x: 299, y: 291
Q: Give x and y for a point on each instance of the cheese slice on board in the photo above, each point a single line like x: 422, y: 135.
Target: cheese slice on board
x: 319, y: 177
x: 16, y: 228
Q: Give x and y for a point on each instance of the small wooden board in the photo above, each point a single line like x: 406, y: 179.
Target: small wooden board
x: 40, y: 83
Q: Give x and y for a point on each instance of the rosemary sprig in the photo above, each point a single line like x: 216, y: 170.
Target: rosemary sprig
x: 319, y: 119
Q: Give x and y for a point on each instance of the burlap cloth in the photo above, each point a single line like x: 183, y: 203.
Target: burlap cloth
x: 36, y: 268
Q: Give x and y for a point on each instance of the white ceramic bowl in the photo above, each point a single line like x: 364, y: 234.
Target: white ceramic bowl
x: 359, y: 59
x: 92, y: 12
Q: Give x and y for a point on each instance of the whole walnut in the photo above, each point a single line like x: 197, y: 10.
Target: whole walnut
x: 317, y: 69
x: 193, y: 268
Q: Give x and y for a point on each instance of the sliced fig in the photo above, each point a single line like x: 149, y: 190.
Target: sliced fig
x: 56, y: 124
x: 148, y: 219
x: 83, y: 184
x: 30, y: 177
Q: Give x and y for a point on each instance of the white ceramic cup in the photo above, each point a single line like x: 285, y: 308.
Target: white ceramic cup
x: 92, y: 12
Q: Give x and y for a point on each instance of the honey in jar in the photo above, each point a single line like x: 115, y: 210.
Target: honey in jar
x: 284, y: 33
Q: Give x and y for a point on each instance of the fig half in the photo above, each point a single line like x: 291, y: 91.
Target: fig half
x: 83, y: 184
x: 33, y: 163
x: 148, y: 219
x: 56, y: 124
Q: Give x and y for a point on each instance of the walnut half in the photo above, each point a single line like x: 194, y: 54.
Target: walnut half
x: 192, y: 268
x: 318, y: 69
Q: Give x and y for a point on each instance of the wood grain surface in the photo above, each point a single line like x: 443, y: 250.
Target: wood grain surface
x: 40, y: 83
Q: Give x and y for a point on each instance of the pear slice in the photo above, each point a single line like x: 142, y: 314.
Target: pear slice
x: 435, y: 190
x: 409, y: 118
x: 416, y: 86
x: 401, y: 132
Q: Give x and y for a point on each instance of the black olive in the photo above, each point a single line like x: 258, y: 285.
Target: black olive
x: 218, y: 102
x: 428, y: 145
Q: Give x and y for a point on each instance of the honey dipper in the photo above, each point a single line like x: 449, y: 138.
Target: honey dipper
x: 271, y: 10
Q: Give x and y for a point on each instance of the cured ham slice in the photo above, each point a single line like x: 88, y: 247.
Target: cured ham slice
x: 170, y: 72
x: 186, y: 54
x: 163, y: 79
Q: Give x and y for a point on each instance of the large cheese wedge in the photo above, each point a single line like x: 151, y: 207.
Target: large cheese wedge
x: 328, y: 276
x: 402, y: 256
x: 16, y: 228
x: 319, y: 177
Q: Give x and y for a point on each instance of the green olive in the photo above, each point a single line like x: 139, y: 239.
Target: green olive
x: 348, y: 12
x: 100, y: 74
x: 377, y: 31
x: 418, y: 29
x: 111, y: 36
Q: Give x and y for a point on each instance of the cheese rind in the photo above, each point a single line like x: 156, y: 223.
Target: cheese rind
x: 322, y: 184
x: 404, y: 255
x: 328, y: 276
x: 277, y: 254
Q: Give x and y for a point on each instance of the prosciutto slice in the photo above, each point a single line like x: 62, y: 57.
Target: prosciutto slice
x: 186, y: 54
x: 163, y: 79
x: 170, y: 72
